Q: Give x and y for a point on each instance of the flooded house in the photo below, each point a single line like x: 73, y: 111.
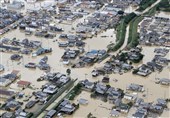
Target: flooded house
x: 41, y: 51
x: 140, y: 113
x: 23, y: 84
x: 51, y: 89
x: 130, y: 97
x: 164, y: 81
x: 143, y: 70
x: 135, y: 87
x: 113, y: 94
x: 5, y: 94
x: 12, y: 105
x: 87, y: 85
x: 66, y: 107
x: 8, y: 17
x: 7, y: 79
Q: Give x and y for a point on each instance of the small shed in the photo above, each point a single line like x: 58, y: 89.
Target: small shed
x: 105, y: 79
x: 6, y: 94
x: 114, y: 113
x: 23, y: 84
x: 16, y: 72
x: 83, y: 101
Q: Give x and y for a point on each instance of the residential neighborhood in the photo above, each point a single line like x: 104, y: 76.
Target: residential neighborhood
x: 84, y: 58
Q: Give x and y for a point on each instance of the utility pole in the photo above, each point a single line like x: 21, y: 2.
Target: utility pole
x: 164, y: 95
x: 147, y: 94
x: 23, y: 61
x: 85, y: 75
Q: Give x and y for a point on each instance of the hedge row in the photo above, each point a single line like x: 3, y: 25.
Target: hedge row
x: 121, y: 32
x: 133, y: 32
x: 164, y: 5
x: 145, y: 4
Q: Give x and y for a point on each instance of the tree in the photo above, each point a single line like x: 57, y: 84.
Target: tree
x: 68, y: 71
x: 89, y: 115
x: 121, y: 12
x: 130, y: 63
x: 130, y: 104
x: 77, y: 106
x: 93, y: 95
x: 108, y: 86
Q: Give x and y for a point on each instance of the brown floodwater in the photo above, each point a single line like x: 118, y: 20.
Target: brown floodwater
x: 96, y: 107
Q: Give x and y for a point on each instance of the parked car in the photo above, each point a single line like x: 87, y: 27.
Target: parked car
x: 95, y: 73
x: 51, y: 114
x: 1, y: 68
x: 66, y: 61
x: 62, y: 44
x: 44, y: 67
x: 42, y: 51
x: 43, y: 60
x: 16, y: 57
x: 30, y: 65
x: 26, y: 51
x: 30, y: 104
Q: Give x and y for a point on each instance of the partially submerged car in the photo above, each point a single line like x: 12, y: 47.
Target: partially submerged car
x: 66, y: 61
x: 41, y: 51
x: 16, y: 57
x: 26, y: 51
x: 44, y: 66
x: 31, y: 65
x: 1, y: 68
x: 43, y: 60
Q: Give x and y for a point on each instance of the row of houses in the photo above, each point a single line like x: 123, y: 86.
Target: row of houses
x: 125, y: 3
x: 7, y: 94
x: 24, y: 46
x: 55, y: 84
x: 120, y: 63
x: 150, y: 109
x: 14, y: 110
x: 65, y: 107
x: 39, y: 23
x: 142, y: 109
x: 67, y: 14
x: 124, y: 101
x: 96, y: 23
x: 100, y: 90
x: 89, y: 58
x: 155, y: 31
x: 71, y: 41
x: 14, y: 106
x: 7, y: 18
x: 72, y: 10
x: 88, y: 4
x: 156, y: 64
x: 7, y: 79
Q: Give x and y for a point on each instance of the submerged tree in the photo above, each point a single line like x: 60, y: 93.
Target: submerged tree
x: 68, y: 71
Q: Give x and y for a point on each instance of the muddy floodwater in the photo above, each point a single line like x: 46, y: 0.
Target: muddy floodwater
x: 98, y: 108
